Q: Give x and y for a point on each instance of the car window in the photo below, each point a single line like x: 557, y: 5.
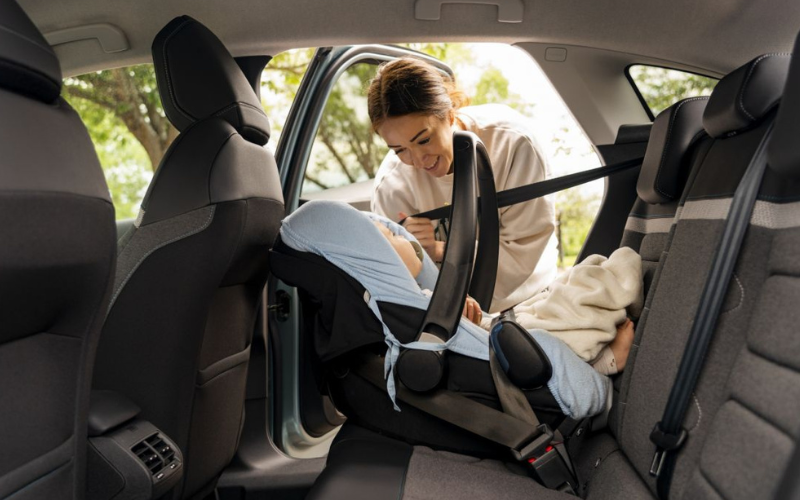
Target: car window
x: 346, y: 153
x: 122, y: 110
x: 660, y: 88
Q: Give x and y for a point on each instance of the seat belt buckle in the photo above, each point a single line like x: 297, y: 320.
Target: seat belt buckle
x: 551, y: 471
x: 665, y: 442
x: 537, y: 446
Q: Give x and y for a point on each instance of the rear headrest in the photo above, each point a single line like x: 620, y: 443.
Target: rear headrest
x: 28, y: 65
x: 783, y: 152
x: 198, y: 78
x: 745, y: 96
x: 674, y: 130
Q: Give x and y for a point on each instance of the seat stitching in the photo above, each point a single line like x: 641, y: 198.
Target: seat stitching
x: 741, y: 297
x: 699, y: 413
x: 750, y: 74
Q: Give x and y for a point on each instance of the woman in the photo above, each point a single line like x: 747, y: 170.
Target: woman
x: 416, y: 109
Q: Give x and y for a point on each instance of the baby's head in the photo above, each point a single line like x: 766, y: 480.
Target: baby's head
x: 409, y: 251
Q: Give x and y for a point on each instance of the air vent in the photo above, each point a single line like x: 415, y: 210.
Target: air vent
x: 154, y: 453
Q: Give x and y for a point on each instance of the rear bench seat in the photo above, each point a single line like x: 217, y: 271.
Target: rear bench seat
x: 743, y: 425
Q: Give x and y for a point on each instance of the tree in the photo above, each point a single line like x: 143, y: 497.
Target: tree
x: 661, y: 87
x: 131, y: 96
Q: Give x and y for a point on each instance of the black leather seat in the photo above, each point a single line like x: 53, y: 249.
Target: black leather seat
x: 191, y: 270
x: 57, y: 243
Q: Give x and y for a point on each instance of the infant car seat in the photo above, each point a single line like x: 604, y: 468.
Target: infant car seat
x: 349, y: 343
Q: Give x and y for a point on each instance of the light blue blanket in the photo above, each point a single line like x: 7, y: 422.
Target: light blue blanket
x: 349, y: 239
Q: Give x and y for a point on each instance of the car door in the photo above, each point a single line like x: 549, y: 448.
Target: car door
x: 304, y: 419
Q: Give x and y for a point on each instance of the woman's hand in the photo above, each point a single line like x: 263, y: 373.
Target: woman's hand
x: 422, y: 229
x: 472, y: 311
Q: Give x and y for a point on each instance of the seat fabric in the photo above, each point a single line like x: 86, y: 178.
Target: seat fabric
x: 743, y: 424
x: 192, y: 268
x: 56, y: 267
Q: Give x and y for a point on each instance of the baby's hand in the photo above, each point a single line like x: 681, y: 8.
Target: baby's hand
x: 472, y: 311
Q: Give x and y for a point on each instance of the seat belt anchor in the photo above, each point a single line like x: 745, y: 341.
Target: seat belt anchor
x: 665, y: 442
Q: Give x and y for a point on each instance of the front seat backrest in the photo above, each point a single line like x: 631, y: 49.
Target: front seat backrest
x: 57, y: 247
x: 191, y: 270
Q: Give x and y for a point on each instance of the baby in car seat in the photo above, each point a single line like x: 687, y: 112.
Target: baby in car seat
x: 385, y: 264
x: 611, y: 358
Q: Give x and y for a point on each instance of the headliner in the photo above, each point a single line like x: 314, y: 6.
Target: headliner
x: 714, y: 36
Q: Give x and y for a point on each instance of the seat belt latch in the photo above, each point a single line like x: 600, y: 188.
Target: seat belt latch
x: 537, y: 446
x: 551, y: 471
x: 664, y: 442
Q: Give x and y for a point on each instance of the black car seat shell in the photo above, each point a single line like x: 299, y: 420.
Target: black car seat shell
x: 191, y: 270
x: 56, y: 267
x: 743, y: 424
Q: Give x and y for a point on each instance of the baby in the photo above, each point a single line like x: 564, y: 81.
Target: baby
x: 611, y: 359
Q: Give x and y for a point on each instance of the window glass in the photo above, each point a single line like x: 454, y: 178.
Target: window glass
x: 122, y: 110
x: 661, y: 87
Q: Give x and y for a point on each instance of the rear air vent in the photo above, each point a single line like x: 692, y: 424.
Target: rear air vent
x: 154, y: 453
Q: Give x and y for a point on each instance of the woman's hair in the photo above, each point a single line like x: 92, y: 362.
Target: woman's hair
x: 410, y: 85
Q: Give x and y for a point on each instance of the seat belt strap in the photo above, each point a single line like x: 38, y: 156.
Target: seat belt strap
x: 523, y: 438
x: 668, y: 435
x: 538, y: 189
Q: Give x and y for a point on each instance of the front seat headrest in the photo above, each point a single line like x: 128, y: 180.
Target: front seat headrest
x: 742, y: 98
x: 673, y: 132
x: 199, y: 79
x: 28, y: 65
x: 783, y: 151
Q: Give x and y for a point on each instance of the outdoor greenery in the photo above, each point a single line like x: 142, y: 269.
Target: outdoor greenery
x: 661, y: 87
x: 122, y: 110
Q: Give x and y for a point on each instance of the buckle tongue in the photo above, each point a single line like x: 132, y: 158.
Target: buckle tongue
x: 664, y: 441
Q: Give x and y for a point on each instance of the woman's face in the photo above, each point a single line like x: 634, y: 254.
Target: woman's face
x: 403, y: 248
x: 422, y: 141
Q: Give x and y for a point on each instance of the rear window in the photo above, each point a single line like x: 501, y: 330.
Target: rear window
x: 660, y: 88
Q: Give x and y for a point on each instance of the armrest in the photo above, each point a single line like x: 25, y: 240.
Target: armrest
x: 108, y: 410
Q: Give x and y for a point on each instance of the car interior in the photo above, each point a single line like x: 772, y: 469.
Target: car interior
x: 191, y: 352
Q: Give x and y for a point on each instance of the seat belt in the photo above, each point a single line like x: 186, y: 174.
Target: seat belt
x: 516, y: 428
x: 668, y: 434
x: 538, y: 189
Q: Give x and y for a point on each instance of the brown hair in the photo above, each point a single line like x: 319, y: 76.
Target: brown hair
x: 410, y: 85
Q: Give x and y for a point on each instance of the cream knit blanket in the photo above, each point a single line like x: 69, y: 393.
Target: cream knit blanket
x: 583, y: 305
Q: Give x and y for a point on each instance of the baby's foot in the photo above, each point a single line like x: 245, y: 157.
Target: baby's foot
x: 621, y: 345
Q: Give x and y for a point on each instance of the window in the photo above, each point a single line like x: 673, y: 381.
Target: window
x: 122, y: 110
x: 660, y: 88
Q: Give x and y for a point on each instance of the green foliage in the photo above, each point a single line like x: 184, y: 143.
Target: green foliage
x: 100, y: 100
x: 661, y: 87
x: 576, y: 212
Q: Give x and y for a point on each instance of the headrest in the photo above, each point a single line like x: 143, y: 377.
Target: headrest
x: 783, y: 152
x: 198, y: 78
x: 673, y: 131
x: 745, y: 96
x: 28, y: 65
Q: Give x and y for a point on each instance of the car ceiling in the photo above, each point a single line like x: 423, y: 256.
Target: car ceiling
x: 714, y: 36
